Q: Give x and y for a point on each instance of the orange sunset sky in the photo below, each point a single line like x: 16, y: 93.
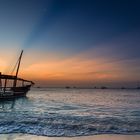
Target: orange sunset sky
x: 88, y: 68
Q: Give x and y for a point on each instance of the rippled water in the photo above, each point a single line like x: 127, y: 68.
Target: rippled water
x: 72, y: 112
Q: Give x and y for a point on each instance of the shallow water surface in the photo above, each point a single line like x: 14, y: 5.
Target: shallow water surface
x: 72, y: 112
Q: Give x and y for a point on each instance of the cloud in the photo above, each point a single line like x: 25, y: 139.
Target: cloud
x: 110, y: 61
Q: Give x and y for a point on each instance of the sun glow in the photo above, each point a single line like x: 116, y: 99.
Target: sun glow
x: 77, y: 68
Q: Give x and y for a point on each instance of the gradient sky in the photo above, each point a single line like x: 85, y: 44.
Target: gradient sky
x: 72, y: 42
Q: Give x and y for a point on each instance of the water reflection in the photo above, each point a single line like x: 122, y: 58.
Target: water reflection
x: 10, y: 105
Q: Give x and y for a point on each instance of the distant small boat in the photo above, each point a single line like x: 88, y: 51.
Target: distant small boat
x: 12, y: 86
x: 67, y: 87
x: 103, y: 87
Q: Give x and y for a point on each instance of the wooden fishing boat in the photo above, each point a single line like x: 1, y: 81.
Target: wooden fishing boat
x: 11, y: 86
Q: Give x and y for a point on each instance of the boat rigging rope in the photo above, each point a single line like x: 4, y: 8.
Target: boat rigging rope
x: 14, y: 67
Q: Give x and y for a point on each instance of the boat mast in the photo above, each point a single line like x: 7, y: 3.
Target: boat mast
x: 19, y: 60
x: 0, y: 82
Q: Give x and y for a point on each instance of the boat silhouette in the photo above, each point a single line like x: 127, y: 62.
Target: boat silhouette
x: 14, y: 90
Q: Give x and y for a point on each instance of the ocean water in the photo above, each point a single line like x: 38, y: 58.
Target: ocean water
x: 72, y: 112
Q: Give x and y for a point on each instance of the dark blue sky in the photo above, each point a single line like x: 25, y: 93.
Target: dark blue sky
x: 68, y: 28
x: 68, y: 22
x: 91, y: 21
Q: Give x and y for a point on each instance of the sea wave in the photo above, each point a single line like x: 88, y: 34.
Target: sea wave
x: 65, y: 125
x: 49, y: 117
